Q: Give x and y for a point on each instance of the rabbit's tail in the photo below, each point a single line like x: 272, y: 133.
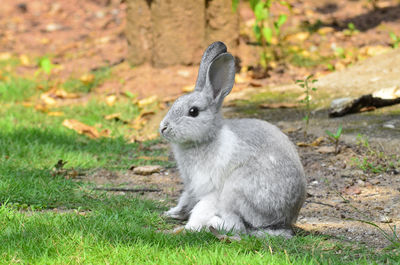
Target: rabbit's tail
x: 284, y: 232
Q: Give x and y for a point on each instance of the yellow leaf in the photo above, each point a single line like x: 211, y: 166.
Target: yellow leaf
x: 302, y: 144
x: 147, y: 101
x: 318, y: 141
x: 46, y: 99
x: 27, y: 104
x: 188, y: 89
x: 55, y: 113
x: 113, y: 116
x: 81, y: 128
x: 325, y: 30
x: 61, y: 93
x: 24, y: 60
x: 87, y: 79
x: 373, y: 50
x: 44, y: 40
x: 5, y: 56
x: 298, y: 37
x: 110, y: 100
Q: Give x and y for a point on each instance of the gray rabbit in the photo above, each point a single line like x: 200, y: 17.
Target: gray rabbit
x: 241, y: 175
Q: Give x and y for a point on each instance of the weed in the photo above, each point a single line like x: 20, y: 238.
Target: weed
x: 267, y: 29
x: 307, y: 85
x: 395, y: 39
x: 375, y: 161
x: 45, y: 65
x: 351, y: 30
x: 335, y: 137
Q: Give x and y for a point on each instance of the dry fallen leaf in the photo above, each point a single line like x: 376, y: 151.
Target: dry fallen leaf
x: 24, y: 59
x: 302, y: 144
x: 46, y: 99
x: 5, y: 56
x: 114, y: 116
x: 87, y: 78
x: 55, y: 113
x: 110, y: 100
x: 291, y: 130
x: 318, y: 141
x: 81, y: 128
x: 188, y: 88
x: 147, y: 101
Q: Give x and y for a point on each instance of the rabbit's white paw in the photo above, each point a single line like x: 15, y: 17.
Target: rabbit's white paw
x: 227, y: 223
x: 202, y: 212
x: 176, y: 213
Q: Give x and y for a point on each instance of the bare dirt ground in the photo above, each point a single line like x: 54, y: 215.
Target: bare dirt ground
x: 86, y: 35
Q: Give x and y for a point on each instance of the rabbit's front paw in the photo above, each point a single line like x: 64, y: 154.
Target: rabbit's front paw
x: 176, y: 213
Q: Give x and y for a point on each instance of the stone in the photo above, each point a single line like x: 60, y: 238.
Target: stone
x: 385, y: 219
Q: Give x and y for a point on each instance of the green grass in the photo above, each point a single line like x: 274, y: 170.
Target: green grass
x: 98, y: 228
x: 76, y: 85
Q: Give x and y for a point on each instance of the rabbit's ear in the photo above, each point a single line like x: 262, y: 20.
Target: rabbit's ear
x: 221, y: 77
x: 209, y: 55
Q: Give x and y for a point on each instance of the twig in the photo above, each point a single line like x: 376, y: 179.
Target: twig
x: 127, y: 190
x: 325, y: 204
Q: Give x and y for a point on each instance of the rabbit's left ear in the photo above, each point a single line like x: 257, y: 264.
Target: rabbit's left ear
x: 221, y: 77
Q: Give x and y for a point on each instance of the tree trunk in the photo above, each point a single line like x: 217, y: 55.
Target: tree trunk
x: 176, y: 32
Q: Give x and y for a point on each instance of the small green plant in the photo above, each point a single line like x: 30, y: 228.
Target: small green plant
x: 307, y: 85
x: 395, y: 39
x: 45, y: 65
x: 335, y: 137
x: 374, y: 161
x: 351, y: 30
x: 267, y: 29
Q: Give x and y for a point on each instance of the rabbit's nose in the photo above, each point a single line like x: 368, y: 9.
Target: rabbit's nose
x: 163, y: 129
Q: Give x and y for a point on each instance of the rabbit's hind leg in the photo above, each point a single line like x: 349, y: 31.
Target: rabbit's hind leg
x: 202, y: 212
x: 229, y: 222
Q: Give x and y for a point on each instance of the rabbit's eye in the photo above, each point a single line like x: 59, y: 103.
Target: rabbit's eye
x: 193, y: 112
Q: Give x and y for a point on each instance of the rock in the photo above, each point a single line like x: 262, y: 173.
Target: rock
x: 337, y: 105
x: 392, y: 124
x: 326, y: 149
x: 361, y: 183
x: 352, y: 190
x: 375, y: 181
x: 387, y: 210
x: 385, y: 219
x: 147, y: 170
x: 53, y: 27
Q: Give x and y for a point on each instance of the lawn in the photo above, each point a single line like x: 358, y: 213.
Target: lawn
x: 46, y: 218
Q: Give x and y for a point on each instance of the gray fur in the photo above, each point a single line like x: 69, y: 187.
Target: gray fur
x: 240, y: 174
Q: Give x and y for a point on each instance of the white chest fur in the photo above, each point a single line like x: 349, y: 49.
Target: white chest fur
x: 205, y: 168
